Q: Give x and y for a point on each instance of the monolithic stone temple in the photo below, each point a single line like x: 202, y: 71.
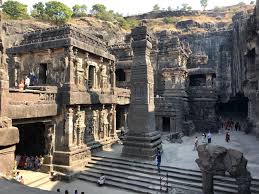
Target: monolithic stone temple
x: 84, y: 89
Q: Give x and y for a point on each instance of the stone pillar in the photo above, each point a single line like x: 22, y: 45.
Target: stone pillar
x: 9, y: 135
x: 125, y: 119
x: 207, y: 183
x: 69, y: 126
x: 49, y: 148
x: 142, y: 138
x: 113, y: 76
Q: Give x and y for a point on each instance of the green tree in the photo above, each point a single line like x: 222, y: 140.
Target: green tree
x: 15, y: 9
x: 38, y: 11
x: 58, y: 12
x: 79, y: 10
x: 252, y: 2
x: 204, y: 3
x: 186, y: 7
x: 98, y: 8
x: 156, y: 7
x: 169, y: 8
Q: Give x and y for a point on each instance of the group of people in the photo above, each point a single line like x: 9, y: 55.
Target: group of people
x: 29, y: 162
x: 66, y: 192
x: 230, y: 125
x: 30, y: 80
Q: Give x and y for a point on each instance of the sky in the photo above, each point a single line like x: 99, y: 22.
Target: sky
x: 131, y: 7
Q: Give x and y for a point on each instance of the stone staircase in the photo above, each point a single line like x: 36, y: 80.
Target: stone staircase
x: 37, y: 179
x: 144, y: 178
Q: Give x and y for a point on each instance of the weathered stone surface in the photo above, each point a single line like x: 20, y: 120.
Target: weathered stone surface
x: 142, y: 139
x: 216, y: 160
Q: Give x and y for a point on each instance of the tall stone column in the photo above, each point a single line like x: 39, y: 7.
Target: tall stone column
x: 9, y: 135
x: 142, y: 139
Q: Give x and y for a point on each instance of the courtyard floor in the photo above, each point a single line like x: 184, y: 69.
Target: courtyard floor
x: 183, y: 155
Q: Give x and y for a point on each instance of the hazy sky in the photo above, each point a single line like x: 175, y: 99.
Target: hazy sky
x: 129, y: 7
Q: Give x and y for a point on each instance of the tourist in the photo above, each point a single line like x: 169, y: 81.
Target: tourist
x: 76, y: 192
x: 37, y: 163
x: 237, y: 126
x: 58, y: 190
x: 18, y: 177
x: 196, y: 143
x: 22, y: 180
x: 101, y: 180
x: 27, y: 82
x: 209, y: 137
x: 82, y: 192
x: 66, y: 191
x: 21, y: 85
x: 27, y: 163
x: 158, y: 159
x: 204, y: 138
x: 227, y: 137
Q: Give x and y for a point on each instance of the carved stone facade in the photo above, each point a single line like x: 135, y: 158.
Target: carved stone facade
x: 73, y: 93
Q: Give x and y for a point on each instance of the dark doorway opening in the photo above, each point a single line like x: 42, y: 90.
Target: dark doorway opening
x: 198, y: 80
x: 236, y: 107
x: 43, y: 73
x: 120, y: 75
x: 91, y: 76
x: 166, y: 124
x: 32, y: 140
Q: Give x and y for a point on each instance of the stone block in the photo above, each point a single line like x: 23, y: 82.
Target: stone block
x: 9, y: 136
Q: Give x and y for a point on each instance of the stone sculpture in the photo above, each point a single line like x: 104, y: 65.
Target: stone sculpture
x: 216, y: 160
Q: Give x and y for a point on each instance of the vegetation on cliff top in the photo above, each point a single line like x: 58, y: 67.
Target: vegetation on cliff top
x: 58, y: 13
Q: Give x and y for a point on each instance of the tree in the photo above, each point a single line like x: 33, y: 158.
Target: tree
x: 204, y: 4
x: 79, y: 10
x: 98, y: 8
x: 186, y: 7
x: 58, y: 12
x: 252, y: 2
x: 156, y: 7
x: 15, y: 9
x: 38, y: 11
x: 169, y: 8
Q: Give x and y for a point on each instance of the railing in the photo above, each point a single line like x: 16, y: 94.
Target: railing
x: 34, y: 95
x: 163, y: 182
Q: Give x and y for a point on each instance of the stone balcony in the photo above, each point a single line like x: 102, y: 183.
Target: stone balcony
x: 123, y: 96
x: 32, y: 102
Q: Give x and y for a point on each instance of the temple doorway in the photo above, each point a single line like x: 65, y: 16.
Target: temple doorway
x: 166, y: 124
x: 32, y: 140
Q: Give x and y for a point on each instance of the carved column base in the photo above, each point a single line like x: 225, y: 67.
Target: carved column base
x: 47, y: 164
x: 207, y: 183
x: 68, y: 162
x: 142, y: 145
x: 7, y: 160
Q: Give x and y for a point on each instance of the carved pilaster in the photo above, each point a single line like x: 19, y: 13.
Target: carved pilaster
x: 69, y: 129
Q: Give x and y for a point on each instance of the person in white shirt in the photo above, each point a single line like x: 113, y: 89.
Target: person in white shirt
x: 101, y: 180
x: 27, y: 82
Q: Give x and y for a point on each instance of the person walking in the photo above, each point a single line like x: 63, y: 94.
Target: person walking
x: 209, y: 137
x: 196, y: 141
x: 158, y: 160
x: 227, y: 137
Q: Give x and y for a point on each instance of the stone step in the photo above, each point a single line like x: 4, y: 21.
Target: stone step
x: 227, y: 183
x: 154, y: 179
x: 117, y: 182
x: 173, y: 174
x: 255, y: 182
x: 134, y: 185
x: 40, y: 181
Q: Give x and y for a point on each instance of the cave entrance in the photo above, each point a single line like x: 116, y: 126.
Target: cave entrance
x: 91, y: 78
x: 236, y: 107
x: 43, y: 73
x: 166, y: 124
x: 32, y: 140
